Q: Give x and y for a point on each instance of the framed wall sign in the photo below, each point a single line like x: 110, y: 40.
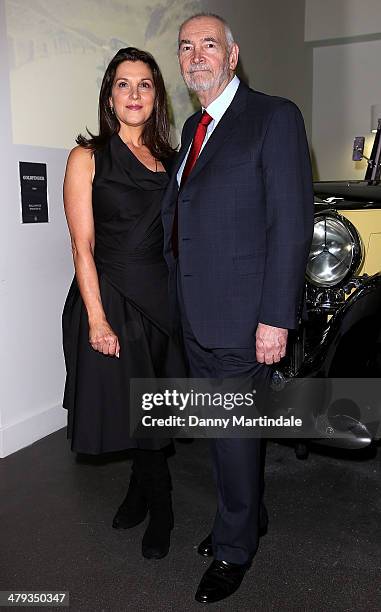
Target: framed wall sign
x: 34, y: 192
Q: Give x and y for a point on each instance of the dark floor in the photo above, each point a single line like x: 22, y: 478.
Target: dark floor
x: 322, y: 552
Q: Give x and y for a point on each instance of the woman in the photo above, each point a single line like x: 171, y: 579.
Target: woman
x: 116, y: 316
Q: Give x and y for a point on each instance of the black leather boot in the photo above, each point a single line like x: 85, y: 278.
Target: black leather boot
x: 133, y: 509
x: 155, y: 481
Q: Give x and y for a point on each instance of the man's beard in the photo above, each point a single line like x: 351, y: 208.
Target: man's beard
x: 196, y: 85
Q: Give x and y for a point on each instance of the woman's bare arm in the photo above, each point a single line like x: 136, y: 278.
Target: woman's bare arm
x: 79, y: 214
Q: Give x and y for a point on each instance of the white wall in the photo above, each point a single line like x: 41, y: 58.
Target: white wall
x: 35, y: 273
x: 346, y: 84
x: 346, y: 81
x: 327, y: 19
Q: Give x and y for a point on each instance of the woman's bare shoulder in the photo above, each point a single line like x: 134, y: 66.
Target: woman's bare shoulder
x: 80, y: 163
x: 82, y: 156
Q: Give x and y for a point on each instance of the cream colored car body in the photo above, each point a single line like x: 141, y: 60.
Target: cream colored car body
x: 368, y: 225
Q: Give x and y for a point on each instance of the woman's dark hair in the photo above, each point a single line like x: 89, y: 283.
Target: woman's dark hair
x: 156, y: 130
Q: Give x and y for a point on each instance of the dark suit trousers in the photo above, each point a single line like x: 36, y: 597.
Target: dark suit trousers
x: 238, y: 463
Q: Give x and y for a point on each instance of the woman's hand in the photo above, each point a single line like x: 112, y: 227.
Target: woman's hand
x: 103, y: 339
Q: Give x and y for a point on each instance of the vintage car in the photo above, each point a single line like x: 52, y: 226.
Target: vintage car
x: 339, y: 336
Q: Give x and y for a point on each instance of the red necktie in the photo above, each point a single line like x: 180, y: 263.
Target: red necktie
x: 191, y: 160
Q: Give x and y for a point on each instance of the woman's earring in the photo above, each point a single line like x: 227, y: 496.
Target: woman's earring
x: 112, y: 110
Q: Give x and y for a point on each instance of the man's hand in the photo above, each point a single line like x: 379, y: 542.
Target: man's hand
x: 270, y: 343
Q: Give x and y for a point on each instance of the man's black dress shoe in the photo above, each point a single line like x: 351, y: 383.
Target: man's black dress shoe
x: 220, y: 580
x: 205, y: 548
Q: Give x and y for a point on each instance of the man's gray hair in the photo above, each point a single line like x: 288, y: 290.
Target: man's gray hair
x: 227, y: 28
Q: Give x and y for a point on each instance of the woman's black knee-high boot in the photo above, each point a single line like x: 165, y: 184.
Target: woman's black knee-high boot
x: 155, y: 482
x: 133, y: 509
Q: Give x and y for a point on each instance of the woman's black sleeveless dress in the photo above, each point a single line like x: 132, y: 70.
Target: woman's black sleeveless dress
x: 133, y: 283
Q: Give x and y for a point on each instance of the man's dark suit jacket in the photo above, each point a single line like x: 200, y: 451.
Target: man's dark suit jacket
x: 245, y: 221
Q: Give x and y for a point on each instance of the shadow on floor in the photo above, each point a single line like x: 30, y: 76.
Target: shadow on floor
x: 322, y: 551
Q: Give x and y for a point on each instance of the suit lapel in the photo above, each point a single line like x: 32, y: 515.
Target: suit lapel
x: 221, y: 133
x: 187, y: 141
x: 173, y: 186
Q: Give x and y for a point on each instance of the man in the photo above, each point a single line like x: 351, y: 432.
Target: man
x: 238, y: 218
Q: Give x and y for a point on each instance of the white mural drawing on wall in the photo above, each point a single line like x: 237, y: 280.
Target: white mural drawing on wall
x: 58, y: 52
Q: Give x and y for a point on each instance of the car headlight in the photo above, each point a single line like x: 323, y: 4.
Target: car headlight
x: 336, y: 251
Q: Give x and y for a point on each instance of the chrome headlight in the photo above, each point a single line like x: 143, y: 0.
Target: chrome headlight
x: 336, y: 251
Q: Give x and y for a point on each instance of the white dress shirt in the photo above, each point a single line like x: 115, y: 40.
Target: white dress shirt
x: 216, y: 110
